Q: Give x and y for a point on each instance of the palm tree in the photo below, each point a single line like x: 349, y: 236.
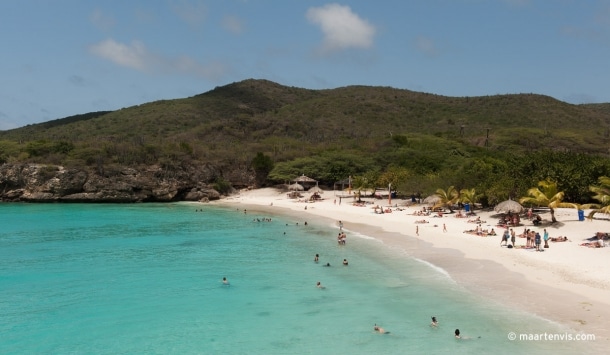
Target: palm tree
x: 365, y: 182
x: 602, y: 194
x: 448, y: 197
x: 469, y: 196
x: 547, y: 194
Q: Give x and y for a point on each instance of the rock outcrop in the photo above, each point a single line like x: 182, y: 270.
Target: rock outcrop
x: 52, y: 183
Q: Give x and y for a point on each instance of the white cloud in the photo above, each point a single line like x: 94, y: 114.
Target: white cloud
x: 133, y: 56
x: 193, y: 13
x: 342, y: 28
x: 136, y: 56
x: 233, y: 24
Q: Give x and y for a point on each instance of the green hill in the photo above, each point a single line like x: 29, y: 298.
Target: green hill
x: 228, y: 125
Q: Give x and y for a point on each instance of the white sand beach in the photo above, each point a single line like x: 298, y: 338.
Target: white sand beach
x: 566, y: 283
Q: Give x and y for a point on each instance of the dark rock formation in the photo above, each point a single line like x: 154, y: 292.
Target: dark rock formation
x: 51, y: 183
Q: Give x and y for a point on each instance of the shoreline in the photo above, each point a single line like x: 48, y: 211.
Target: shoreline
x: 567, y: 284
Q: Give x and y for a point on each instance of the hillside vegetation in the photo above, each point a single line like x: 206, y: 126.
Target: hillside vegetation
x: 331, y: 134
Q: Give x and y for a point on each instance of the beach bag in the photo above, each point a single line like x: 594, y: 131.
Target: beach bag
x: 510, y: 246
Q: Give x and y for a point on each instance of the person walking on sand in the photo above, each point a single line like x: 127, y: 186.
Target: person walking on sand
x: 512, y: 237
x: 537, y: 241
x: 505, y: 238
x: 444, y: 228
x: 545, y: 237
x: 417, y: 230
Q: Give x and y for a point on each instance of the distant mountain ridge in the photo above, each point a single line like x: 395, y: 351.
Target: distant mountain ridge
x: 252, y: 107
x: 214, y: 136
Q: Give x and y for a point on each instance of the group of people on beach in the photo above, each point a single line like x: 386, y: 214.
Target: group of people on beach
x: 533, y: 239
x: 597, y: 241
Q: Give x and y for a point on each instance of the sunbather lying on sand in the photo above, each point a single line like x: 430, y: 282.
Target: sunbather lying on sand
x: 422, y: 221
x: 559, y: 239
x: 592, y: 245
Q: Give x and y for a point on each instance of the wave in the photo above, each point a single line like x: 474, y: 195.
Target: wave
x: 436, y: 268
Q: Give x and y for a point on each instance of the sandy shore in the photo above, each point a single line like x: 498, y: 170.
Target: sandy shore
x: 567, y: 283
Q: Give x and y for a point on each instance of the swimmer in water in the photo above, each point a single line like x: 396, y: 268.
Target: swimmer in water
x: 225, y: 281
x: 327, y: 264
x: 316, y: 258
x: 434, y: 322
x: 319, y: 285
x: 345, y: 262
x: 457, y: 334
x: 379, y: 329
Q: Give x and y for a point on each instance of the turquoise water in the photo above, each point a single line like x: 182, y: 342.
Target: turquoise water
x: 146, y: 279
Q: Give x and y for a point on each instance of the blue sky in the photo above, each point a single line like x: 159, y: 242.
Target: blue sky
x: 66, y: 57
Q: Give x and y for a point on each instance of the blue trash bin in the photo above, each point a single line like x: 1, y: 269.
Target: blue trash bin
x: 581, y: 215
x: 467, y: 207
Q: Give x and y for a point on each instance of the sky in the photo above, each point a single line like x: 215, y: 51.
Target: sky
x: 66, y: 57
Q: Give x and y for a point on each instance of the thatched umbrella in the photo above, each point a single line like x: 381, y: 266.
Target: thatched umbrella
x: 316, y: 189
x: 296, y: 187
x: 304, y: 178
x: 508, y: 206
x: 432, y: 200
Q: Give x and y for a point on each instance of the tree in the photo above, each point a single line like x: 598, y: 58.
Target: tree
x: 547, y: 194
x: 602, y: 194
x: 469, y: 196
x: 393, y: 175
x: 364, y: 182
x: 262, y: 165
x: 448, y: 197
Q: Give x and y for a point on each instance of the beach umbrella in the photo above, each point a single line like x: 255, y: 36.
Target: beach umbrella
x: 508, y: 206
x: 296, y: 187
x: 432, y: 200
x: 304, y: 178
x: 316, y: 189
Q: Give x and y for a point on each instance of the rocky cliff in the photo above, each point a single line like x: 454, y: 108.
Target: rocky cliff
x: 52, y: 183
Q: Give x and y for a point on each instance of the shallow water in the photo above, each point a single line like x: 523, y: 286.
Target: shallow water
x: 146, y: 278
